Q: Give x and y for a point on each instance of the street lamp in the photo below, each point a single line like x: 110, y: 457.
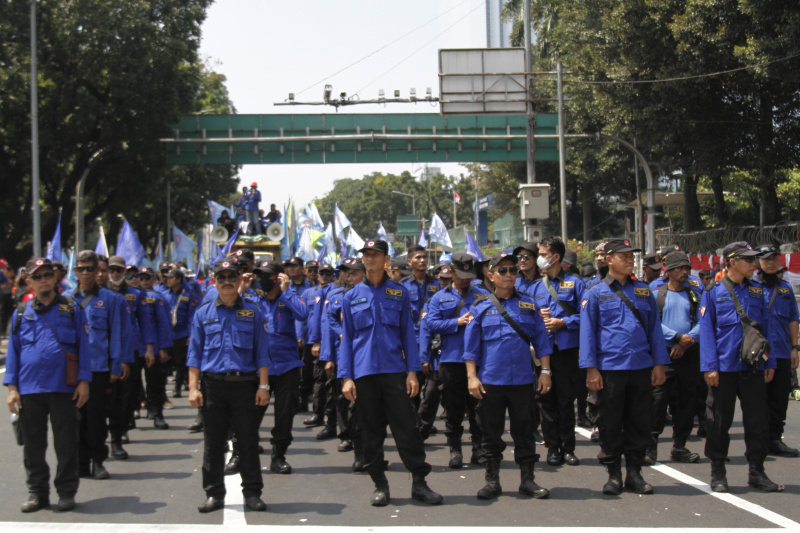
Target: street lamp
x: 413, y: 201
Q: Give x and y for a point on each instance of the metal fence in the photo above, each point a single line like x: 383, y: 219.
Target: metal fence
x: 713, y: 240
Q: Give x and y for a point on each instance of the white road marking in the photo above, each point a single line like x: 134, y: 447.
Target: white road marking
x: 736, y: 501
x: 233, y: 513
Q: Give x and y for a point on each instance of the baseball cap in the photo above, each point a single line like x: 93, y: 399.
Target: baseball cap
x: 669, y: 249
x: 463, y: 265
x: 768, y: 250
x: 312, y: 264
x: 618, y: 246
x: 326, y: 267
x: 377, y: 245
x: 174, y: 273
x: 570, y: 256
x: 146, y: 270
x: 225, y: 264
x: 503, y: 257
x: 245, y: 254
x: 352, y: 263
x: 293, y: 261
x: 653, y: 261
x: 446, y: 272
x: 739, y: 249
x: 163, y: 266
x: 676, y: 260
x: 33, y: 264
x: 116, y: 261
x: 588, y: 269
x: 529, y: 246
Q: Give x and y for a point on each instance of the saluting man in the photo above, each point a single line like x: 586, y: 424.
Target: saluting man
x: 228, y: 362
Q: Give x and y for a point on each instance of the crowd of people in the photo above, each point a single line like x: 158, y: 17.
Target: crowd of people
x: 248, y: 216
x: 374, y: 342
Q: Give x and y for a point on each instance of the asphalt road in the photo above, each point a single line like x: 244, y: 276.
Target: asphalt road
x: 159, y: 487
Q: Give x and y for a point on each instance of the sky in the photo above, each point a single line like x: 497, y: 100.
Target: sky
x: 269, y: 48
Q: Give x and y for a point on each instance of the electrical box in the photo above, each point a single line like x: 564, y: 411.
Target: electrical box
x: 534, y: 201
x: 535, y: 233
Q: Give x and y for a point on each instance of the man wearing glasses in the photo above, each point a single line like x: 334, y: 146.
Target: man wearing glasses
x: 500, y: 374
x: 622, y: 348
x: 526, y: 254
x: 102, y: 342
x: 728, y: 378
x: 228, y: 360
x: 42, y: 331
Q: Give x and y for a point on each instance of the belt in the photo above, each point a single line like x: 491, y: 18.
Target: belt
x: 232, y: 376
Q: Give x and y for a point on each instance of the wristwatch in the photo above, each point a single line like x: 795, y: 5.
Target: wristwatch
x: 796, y: 347
x: 547, y: 371
x: 263, y: 387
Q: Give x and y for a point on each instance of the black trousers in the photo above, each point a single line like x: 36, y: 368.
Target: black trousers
x: 282, y: 390
x: 491, y: 409
x: 346, y: 414
x: 429, y: 396
x: 382, y: 398
x: 132, y: 391
x: 323, y: 393
x: 33, y: 423
x: 116, y: 410
x: 458, y: 401
x: 230, y: 404
x: 558, y: 405
x: 93, y: 427
x: 178, y: 353
x: 156, y: 377
x: 682, y: 377
x: 750, y: 389
x: 778, y: 397
x: 625, y: 406
x: 307, y: 377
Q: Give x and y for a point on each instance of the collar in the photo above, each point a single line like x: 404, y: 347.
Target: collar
x: 94, y: 291
x: 238, y: 303
x: 559, y: 276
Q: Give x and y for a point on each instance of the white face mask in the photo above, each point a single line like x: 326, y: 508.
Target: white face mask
x: 543, y: 263
x: 117, y: 283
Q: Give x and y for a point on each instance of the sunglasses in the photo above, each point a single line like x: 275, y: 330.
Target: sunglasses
x: 229, y: 277
x: 507, y: 270
x: 131, y: 276
x: 326, y: 272
x: 46, y: 275
x: 81, y: 270
x: 524, y: 257
x: 145, y: 277
x: 749, y: 259
x: 116, y: 270
x: 312, y: 270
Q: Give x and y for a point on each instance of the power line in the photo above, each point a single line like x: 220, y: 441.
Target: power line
x: 684, y: 78
x: 382, y: 47
x: 481, y: 4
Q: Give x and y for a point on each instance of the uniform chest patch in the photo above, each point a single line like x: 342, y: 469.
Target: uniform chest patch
x: 245, y: 313
x: 65, y: 310
x: 568, y: 285
x: 184, y: 298
x: 641, y: 292
x: 99, y: 304
x: 130, y: 297
x: 432, y: 288
x: 723, y: 299
x: 356, y: 301
x: 756, y: 292
x: 149, y: 300
x: 694, y: 283
x: 527, y: 305
x: 394, y: 294
x: 783, y: 290
x: 210, y: 321
x: 444, y: 300
x: 479, y: 297
x: 606, y: 297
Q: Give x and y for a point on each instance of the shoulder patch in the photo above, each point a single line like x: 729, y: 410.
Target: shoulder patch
x: 480, y: 296
x: 583, y: 303
x: 703, y: 311
x: 641, y: 292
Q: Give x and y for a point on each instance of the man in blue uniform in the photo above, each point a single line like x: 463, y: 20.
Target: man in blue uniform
x: 679, y: 308
x: 180, y: 303
x: 323, y: 400
x: 449, y: 312
x: 43, y: 332
x: 557, y: 295
x: 500, y: 374
x: 282, y: 308
x: 651, y: 268
x: 781, y: 308
x: 526, y: 254
x: 293, y: 267
x: 378, y: 362
x: 727, y: 376
x: 229, y: 360
x: 253, y: 198
x: 101, y: 341
x: 623, y: 350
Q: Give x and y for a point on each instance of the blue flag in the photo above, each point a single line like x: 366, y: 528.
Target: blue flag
x: 159, y: 255
x: 382, y: 236
x: 216, y: 210
x: 227, y: 248
x: 72, y: 277
x: 101, y: 248
x: 182, y: 245
x: 54, y: 250
x: 340, y: 221
x: 473, y: 249
x: 128, y: 246
x: 423, y: 241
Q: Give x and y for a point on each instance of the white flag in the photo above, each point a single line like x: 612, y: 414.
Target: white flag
x: 438, y: 233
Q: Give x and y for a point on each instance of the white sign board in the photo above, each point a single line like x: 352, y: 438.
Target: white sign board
x: 482, y: 80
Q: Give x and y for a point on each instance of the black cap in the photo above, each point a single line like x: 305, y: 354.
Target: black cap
x: 174, y: 273
x: 503, y: 257
x: 377, y: 245
x: 225, y: 264
x: 116, y: 261
x: 677, y: 260
x: 59, y: 264
x: 146, y: 270
x: 464, y: 266
x: 352, y: 263
x: 669, y: 249
x: 446, y: 272
x: 652, y: 261
x: 529, y: 246
x: 33, y: 264
x: 588, y: 269
x: 261, y: 267
x: 245, y: 254
x: 619, y: 245
x: 768, y: 250
x: 570, y: 256
x: 293, y: 261
x: 401, y: 264
x: 739, y: 249
x: 164, y: 266
x: 312, y: 264
x: 326, y: 267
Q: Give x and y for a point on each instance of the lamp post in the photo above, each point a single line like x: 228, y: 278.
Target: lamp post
x: 37, y: 224
x: 413, y: 201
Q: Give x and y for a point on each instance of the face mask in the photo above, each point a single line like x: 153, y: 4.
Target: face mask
x: 117, y: 283
x: 267, y: 284
x: 543, y: 263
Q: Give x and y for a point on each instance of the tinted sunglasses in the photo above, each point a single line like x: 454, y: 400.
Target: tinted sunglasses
x: 46, y: 275
x: 326, y: 272
x: 749, y: 259
x: 116, y: 270
x: 80, y: 270
x: 507, y: 270
x: 145, y: 277
x: 229, y: 277
x: 524, y: 257
x: 131, y: 276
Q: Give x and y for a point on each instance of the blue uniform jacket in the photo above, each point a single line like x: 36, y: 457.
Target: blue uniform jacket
x: 331, y: 325
x: 419, y: 294
x: 132, y: 337
x: 525, y: 286
x: 501, y: 355
x: 783, y: 311
x: 101, y: 335
x: 721, y: 331
x: 36, y: 362
x: 300, y: 325
x: 315, y: 300
x: 612, y: 337
x: 154, y: 322
x: 252, y: 201
x: 229, y: 339
x: 440, y: 320
x: 280, y: 315
x: 377, y: 331
x: 180, y: 307
x: 569, y: 289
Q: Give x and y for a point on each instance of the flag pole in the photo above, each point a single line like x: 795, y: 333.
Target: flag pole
x: 454, y: 209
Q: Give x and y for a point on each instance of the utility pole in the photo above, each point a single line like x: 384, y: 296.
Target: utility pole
x: 37, y: 215
x: 562, y: 152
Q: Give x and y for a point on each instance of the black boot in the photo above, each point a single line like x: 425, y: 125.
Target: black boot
x: 492, y: 489
x: 719, y: 483
x: 233, y: 464
x: 197, y: 425
x: 758, y: 479
x: 613, y: 486
x: 279, y: 464
x: 358, y: 452
x: 420, y: 491
x: 380, y: 498
x: 117, y: 451
x: 477, y: 451
x: 456, y: 456
x: 527, y: 486
x: 651, y: 454
x: 634, y: 480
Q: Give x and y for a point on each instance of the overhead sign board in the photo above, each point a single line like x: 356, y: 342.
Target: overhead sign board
x: 482, y: 80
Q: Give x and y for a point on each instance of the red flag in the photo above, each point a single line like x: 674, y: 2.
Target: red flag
x: 458, y: 198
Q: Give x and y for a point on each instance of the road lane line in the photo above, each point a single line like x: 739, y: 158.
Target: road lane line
x: 233, y: 513
x: 736, y: 501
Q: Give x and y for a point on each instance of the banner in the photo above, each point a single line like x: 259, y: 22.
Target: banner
x: 129, y: 247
